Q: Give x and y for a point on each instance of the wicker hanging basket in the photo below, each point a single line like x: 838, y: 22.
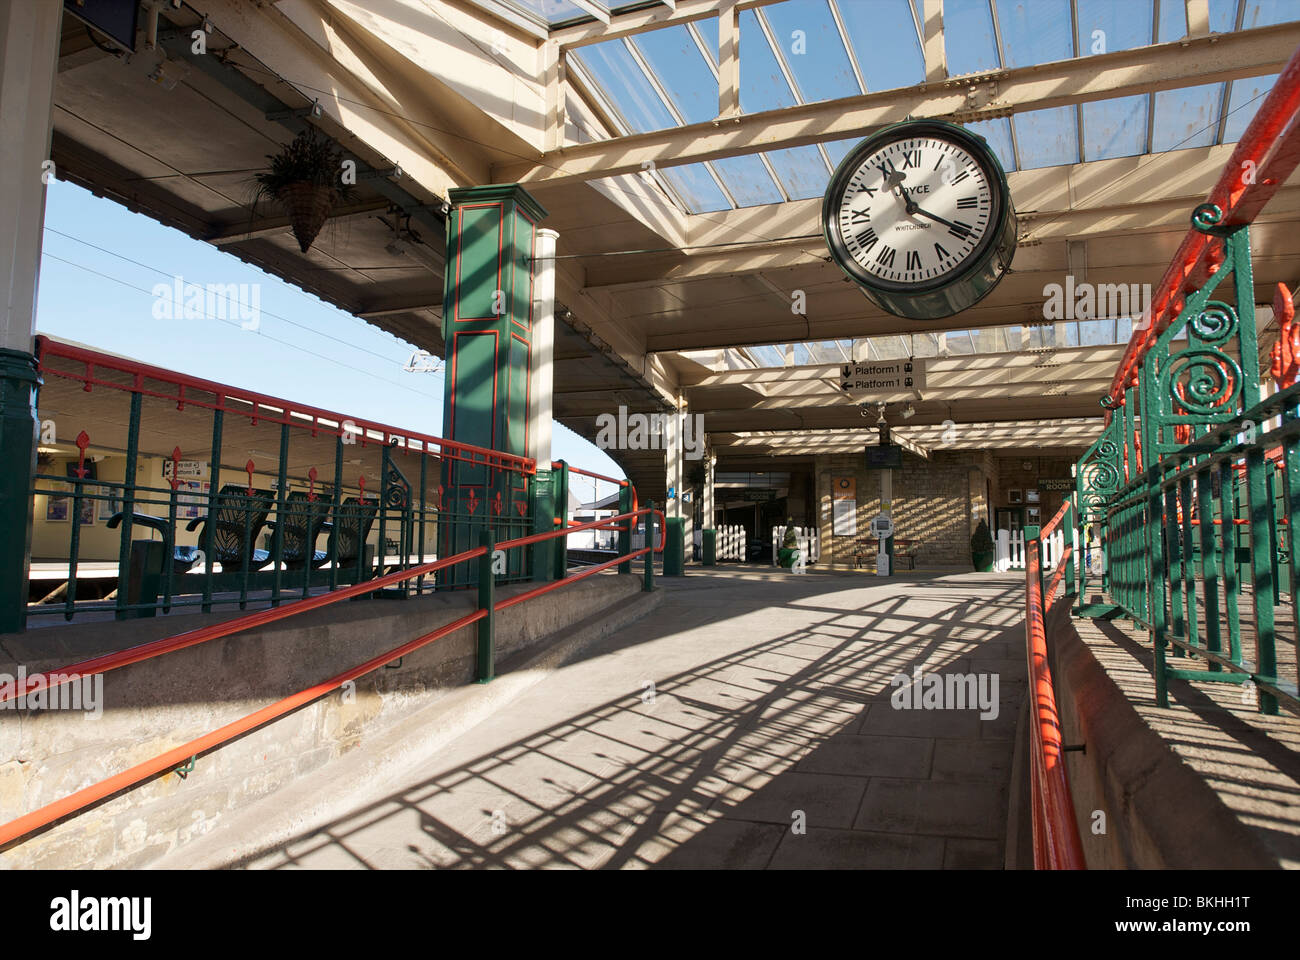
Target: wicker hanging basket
x: 309, y: 207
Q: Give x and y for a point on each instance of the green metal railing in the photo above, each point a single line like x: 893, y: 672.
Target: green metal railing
x: 282, y: 480
x: 1192, y: 488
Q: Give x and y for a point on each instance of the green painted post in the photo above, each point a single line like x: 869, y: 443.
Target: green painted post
x: 625, y: 535
x: 1209, y: 564
x: 1228, y: 560
x: 1158, y: 571
x: 543, y: 507
x: 1261, y: 573
x: 675, y: 547
x: 487, y: 323
x: 19, y: 432
x: 649, y: 585
x: 710, y: 548
x: 486, y: 660
x: 1067, y: 580
x: 560, y: 545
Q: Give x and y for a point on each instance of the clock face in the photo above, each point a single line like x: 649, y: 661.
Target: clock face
x: 915, y: 211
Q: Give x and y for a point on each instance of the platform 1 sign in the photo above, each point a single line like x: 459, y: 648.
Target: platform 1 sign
x: 882, y: 377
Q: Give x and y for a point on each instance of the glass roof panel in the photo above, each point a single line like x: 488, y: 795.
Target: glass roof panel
x: 677, y: 62
x: 801, y: 170
x: 626, y: 85
x: 883, y: 35
x: 1243, y: 103
x: 698, y: 190
x: 1107, y: 25
x: 1035, y: 31
x: 998, y: 134
x: 1115, y: 128
x: 837, y: 150
x: 1173, y: 22
x: 1262, y: 13
x: 969, y: 43
x: 1223, y: 15
x: 762, y: 85
x: 681, y: 69
x: 1047, y: 138
x: 806, y: 33
x: 552, y: 11
x: 1186, y: 118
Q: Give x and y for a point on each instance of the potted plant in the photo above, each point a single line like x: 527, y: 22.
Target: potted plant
x: 306, y: 177
x: 981, y: 548
x: 789, y: 551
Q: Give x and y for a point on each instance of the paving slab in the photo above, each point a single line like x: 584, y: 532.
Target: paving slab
x: 748, y: 724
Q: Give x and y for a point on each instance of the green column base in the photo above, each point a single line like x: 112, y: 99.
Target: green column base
x: 19, y: 432
x: 674, y: 547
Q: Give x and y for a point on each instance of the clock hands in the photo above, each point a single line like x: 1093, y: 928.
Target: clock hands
x: 963, y: 231
x: 894, y: 181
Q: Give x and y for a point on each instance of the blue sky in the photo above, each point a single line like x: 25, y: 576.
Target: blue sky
x: 304, y: 350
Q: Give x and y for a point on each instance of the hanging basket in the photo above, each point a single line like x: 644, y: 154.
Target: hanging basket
x: 309, y: 207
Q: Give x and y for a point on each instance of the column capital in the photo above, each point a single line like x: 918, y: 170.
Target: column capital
x: 499, y: 193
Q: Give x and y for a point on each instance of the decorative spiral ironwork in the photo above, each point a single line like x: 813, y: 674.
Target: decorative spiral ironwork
x: 1216, y: 323
x: 396, y: 490
x: 1210, y: 381
x: 1104, y: 478
x: 1207, y: 217
x: 1108, y: 449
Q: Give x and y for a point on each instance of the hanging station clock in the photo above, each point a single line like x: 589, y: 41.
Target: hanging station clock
x: 920, y: 217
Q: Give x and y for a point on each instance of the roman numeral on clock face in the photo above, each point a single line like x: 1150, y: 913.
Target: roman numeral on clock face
x: 911, y: 160
x: 913, y: 260
x: 941, y: 252
x: 867, y: 239
x: 886, y: 256
x: 968, y: 203
x: 965, y: 174
x: 860, y: 216
x: 960, y: 230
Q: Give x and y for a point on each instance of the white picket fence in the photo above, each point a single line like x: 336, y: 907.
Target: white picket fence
x: 731, y: 544
x: 809, y: 543
x: 1010, y: 547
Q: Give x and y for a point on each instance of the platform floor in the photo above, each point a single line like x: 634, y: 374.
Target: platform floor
x: 769, y: 712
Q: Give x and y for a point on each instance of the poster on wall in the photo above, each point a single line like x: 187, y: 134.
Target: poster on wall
x: 108, y: 505
x: 844, y: 521
x: 86, y: 513
x: 57, y: 504
x: 844, y: 488
x: 191, y: 495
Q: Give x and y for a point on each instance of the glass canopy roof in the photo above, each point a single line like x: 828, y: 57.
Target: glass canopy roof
x: 950, y: 343
x: 803, y: 51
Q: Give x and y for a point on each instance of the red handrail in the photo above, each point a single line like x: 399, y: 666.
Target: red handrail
x: 1056, y: 833
x: 147, y: 651
x: 65, y: 806
x: 1270, y: 149
x: 449, y: 449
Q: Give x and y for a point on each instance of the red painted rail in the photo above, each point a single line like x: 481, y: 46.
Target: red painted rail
x: 252, y: 404
x: 1264, y: 158
x: 1057, y: 845
x: 74, y: 802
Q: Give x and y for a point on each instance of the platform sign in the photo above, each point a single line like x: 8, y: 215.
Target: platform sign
x: 1056, y: 483
x: 882, y: 377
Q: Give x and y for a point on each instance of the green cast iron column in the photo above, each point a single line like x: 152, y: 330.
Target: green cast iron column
x: 19, y: 381
x: 487, y: 327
